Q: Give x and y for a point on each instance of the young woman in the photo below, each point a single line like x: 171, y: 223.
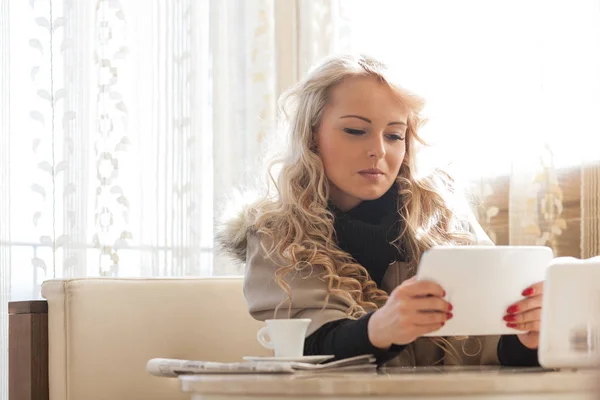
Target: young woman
x: 342, y: 235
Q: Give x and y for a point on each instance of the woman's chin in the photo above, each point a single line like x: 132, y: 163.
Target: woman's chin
x: 372, y: 192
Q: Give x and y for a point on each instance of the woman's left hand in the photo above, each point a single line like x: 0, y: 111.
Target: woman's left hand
x: 526, y: 314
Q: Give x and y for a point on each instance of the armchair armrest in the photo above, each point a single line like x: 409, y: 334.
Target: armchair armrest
x: 103, y: 331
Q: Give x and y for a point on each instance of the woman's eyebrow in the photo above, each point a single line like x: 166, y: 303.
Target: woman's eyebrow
x: 369, y: 121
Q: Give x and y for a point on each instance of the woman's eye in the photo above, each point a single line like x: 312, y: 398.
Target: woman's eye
x: 354, y: 131
x: 396, y: 137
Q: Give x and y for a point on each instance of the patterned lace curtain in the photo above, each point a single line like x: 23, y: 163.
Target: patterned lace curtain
x: 108, y: 102
x: 126, y: 123
x: 4, y: 195
x: 513, y: 93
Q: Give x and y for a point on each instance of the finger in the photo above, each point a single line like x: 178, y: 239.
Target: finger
x: 533, y: 326
x: 429, y: 304
x: 531, y: 340
x: 430, y: 318
x: 529, y: 303
x: 534, y: 290
x: 532, y: 335
x: 527, y: 316
x: 400, y: 290
x: 424, y: 288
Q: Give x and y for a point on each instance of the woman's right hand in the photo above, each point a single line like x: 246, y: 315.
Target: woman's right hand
x: 413, y: 309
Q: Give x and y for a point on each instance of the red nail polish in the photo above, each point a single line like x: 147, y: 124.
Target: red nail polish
x: 512, y: 309
x: 509, y: 317
x: 511, y: 325
x: 449, y: 315
x: 450, y: 307
x: 527, y: 292
x: 443, y: 323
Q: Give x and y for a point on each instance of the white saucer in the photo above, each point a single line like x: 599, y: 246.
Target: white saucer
x: 303, y: 359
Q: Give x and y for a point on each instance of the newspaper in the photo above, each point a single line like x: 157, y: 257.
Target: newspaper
x: 169, y: 367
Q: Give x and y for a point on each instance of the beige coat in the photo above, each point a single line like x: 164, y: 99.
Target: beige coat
x: 264, y: 296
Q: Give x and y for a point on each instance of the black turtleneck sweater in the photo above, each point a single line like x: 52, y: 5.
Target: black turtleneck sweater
x: 366, y: 233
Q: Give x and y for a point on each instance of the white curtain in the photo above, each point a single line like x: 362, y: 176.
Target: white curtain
x: 4, y: 195
x: 126, y: 123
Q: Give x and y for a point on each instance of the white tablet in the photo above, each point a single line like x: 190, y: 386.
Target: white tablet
x: 481, y: 282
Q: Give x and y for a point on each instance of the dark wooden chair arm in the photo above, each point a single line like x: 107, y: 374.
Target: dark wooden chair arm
x: 28, y: 350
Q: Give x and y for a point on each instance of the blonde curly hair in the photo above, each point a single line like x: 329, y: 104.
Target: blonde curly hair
x: 296, y: 216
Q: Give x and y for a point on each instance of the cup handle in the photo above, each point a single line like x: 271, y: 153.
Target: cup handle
x: 260, y: 336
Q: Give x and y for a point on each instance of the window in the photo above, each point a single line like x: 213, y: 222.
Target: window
x: 502, y: 78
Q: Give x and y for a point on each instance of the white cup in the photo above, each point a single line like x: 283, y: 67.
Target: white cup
x: 286, y: 336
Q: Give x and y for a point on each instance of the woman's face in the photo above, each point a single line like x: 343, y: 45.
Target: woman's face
x: 361, y: 140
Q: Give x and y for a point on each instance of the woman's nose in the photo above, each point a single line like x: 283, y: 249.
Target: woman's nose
x: 377, y: 148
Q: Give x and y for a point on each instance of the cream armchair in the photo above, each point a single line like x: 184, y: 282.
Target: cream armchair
x: 102, y: 331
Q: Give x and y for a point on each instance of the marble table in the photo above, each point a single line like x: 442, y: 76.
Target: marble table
x: 448, y: 383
